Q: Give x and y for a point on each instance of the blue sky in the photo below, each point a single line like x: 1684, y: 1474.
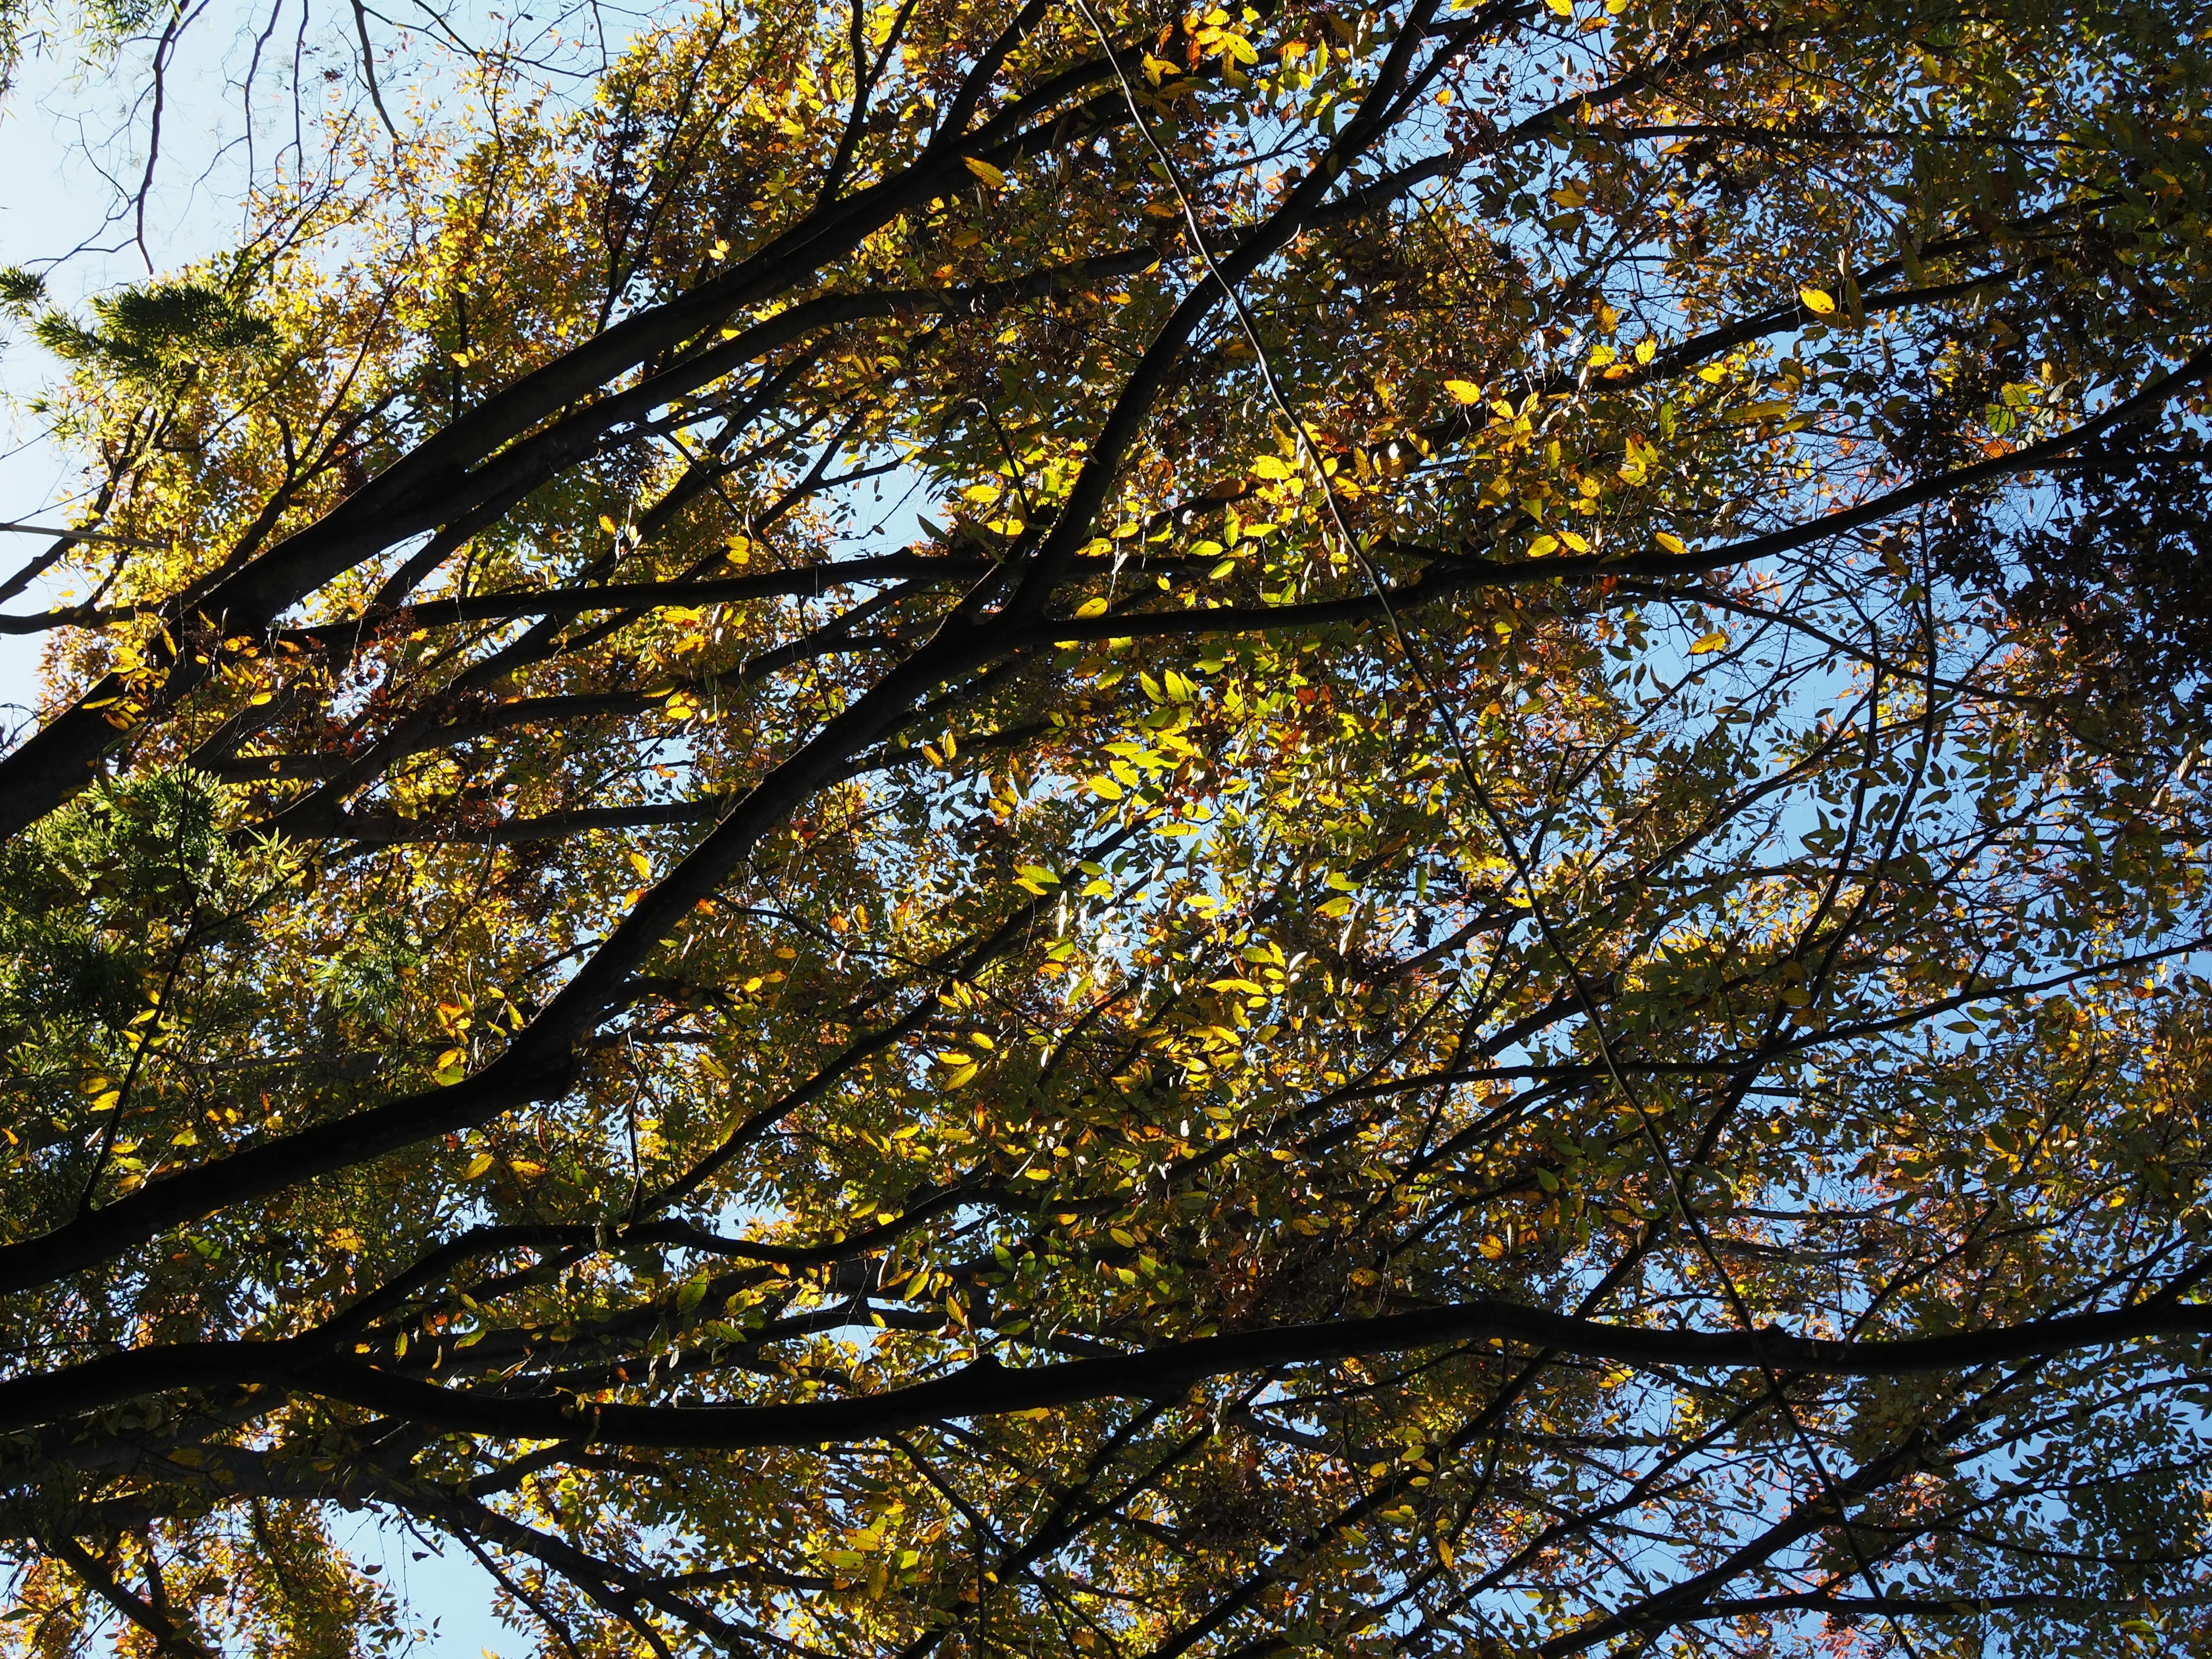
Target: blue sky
x: 52, y: 199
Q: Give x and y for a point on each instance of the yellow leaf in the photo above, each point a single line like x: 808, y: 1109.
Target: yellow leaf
x: 983, y: 170
x: 1094, y: 607
x: 1104, y: 788
x: 1715, y: 640
x: 1271, y: 466
x: 1492, y: 1248
x: 1464, y: 392
x: 477, y: 1165
x: 642, y: 865
x: 1565, y: 8
x: 608, y: 525
x: 1669, y: 542
x: 1819, y: 303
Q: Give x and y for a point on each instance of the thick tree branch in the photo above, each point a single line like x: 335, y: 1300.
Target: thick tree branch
x: 987, y: 1388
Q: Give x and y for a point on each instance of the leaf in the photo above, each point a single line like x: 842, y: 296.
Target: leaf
x: 983, y: 170
x: 1235, y: 1101
x: 1819, y: 303
x: 1708, y: 643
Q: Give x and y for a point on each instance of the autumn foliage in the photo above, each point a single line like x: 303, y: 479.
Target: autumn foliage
x: 1069, y: 831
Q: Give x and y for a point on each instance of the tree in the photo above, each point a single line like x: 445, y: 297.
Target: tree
x: 1075, y: 831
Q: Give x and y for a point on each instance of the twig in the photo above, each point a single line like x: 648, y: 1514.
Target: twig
x: 79, y: 535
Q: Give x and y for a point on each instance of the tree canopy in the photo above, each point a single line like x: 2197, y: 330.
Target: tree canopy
x: 1076, y: 830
